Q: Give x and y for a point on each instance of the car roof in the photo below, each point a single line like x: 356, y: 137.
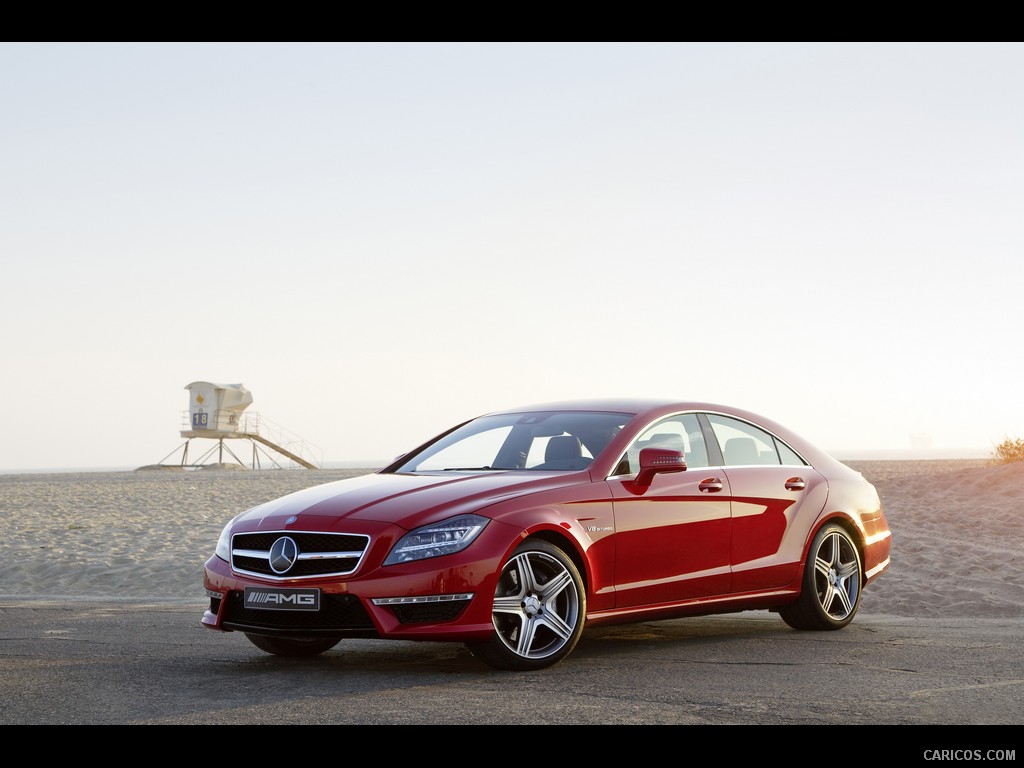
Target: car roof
x: 611, y: 404
x: 635, y: 406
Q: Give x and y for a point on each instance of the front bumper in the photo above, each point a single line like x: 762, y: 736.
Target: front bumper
x: 444, y: 598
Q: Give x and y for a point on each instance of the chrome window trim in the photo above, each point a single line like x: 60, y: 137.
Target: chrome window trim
x: 652, y: 422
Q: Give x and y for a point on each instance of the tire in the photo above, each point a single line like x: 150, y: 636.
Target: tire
x: 539, y: 610
x: 293, y: 646
x: 833, y: 576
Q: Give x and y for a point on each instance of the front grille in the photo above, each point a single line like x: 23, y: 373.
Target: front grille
x: 338, y: 614
x: 319, y: 554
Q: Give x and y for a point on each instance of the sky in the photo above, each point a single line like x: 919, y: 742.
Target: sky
x: 382, y: 240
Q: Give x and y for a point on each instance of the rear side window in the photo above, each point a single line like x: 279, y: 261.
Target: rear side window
x: 744, y: 444
x: 788, y: 455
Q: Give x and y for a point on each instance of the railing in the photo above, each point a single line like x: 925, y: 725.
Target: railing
x: 255, y: 426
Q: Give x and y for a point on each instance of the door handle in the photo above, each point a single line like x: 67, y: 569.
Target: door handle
x: 795, y: 484
x: 711, y: 485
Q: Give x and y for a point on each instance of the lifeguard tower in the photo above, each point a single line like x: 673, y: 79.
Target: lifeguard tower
x: 216, y: 413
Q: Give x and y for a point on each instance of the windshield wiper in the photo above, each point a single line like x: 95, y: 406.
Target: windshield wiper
x: 474, y: 469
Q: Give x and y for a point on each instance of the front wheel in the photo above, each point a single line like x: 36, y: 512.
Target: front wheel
x: 830, y: 594
x: 293, y: 646
x: 539, y: 610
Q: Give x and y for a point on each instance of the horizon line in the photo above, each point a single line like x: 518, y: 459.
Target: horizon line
x: 863, y: 454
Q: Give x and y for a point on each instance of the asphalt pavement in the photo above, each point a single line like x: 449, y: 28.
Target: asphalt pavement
x: 137, y: 662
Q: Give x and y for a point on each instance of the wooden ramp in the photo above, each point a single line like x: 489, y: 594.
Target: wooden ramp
x: 282, y: 450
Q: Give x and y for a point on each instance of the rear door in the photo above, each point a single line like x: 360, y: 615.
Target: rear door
x: 775, y: 497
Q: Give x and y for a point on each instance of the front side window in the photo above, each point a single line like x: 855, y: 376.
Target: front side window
x: 680, y: 433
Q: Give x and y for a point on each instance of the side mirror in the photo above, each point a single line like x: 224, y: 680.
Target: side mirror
x: 656, y: 460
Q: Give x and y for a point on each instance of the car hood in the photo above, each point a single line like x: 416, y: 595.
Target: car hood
x: 406, y: 500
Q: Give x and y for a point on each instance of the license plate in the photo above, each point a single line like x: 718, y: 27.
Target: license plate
x: 282, y: 599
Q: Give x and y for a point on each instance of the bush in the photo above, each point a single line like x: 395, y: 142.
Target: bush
x: 1008, y: 451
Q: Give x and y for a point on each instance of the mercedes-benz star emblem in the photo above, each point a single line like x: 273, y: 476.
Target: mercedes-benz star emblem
x: 283, y: 554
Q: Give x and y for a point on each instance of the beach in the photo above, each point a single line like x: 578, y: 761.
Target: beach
x: 958, y: 527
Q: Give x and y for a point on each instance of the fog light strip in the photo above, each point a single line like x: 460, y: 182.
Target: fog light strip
x: 421, y: 599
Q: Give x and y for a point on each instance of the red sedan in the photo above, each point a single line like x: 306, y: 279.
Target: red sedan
x: 514, y: 531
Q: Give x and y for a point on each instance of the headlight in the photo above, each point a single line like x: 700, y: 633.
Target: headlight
x: 444, y: 538
x: 223, y: 550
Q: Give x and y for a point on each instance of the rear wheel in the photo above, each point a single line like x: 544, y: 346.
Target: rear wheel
x: 832, y: 580
x: 539, y: 610
x: 293, y: 646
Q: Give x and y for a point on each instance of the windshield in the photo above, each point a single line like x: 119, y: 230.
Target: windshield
x: 542, y: 440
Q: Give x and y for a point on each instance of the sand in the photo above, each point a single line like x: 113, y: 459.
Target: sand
x: 958, y: 531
